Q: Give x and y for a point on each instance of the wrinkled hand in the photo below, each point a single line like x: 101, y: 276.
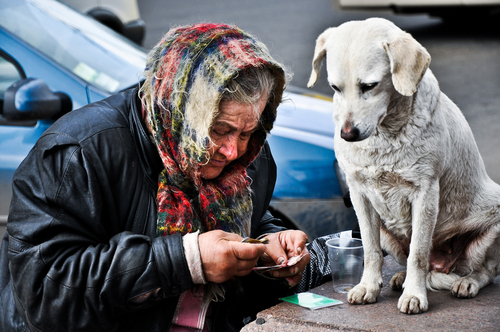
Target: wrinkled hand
x: 283, y: 246
x: 223, y: 256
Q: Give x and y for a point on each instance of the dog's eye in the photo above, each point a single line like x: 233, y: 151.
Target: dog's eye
x: 336, y: 88
x: 367, y: 87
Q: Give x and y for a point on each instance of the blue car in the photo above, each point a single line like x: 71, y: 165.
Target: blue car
x: 54, y: 59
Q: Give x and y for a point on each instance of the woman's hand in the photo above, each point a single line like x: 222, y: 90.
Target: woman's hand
x: 283, y: 246
x: 223, y: 256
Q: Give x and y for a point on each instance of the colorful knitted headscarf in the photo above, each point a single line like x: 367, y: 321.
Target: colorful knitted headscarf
x: 185, y: 76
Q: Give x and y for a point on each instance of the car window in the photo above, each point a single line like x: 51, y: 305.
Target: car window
x: 8, y: 75
x: 10, y: 72
x: 91, y: 51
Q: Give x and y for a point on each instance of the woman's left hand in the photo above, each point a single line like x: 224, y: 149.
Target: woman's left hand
x: 283, y: 246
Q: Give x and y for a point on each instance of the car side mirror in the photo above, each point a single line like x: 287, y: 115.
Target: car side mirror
x: 31, y: 99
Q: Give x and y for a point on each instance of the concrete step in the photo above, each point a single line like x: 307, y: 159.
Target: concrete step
x: 445, y: 313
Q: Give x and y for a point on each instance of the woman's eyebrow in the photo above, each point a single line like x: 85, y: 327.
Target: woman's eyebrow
x: 222, y: 123
x: 253, y: 129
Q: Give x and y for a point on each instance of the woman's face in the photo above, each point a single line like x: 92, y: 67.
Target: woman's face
x: 231, y: 133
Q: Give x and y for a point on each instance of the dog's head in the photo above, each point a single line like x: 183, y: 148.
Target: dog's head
x: 369, y: 63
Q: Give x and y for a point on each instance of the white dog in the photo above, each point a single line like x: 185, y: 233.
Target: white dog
x: 416, y: 179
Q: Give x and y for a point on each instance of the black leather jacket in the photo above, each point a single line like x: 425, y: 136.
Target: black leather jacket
x: 81, y: 244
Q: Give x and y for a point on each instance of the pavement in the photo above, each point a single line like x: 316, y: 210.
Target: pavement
x: 445, y: 313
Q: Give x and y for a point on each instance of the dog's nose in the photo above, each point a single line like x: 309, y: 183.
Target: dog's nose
x: 350, y: 134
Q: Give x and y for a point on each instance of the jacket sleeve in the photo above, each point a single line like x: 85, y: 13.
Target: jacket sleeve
x: 263, y: 173
x: 72, y: 266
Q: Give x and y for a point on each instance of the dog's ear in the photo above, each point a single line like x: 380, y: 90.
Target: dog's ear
x: 319, y: 54
x: 409, y: 60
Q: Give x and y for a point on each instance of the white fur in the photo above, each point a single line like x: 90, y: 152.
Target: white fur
x: 414, y: 172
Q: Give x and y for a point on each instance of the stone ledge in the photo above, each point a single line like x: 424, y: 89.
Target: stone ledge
x: 445, y: 313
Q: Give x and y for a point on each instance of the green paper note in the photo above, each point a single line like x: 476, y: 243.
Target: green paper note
x: 311, y: 301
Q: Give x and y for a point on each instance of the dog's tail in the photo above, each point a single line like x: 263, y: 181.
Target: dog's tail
x: 440, y: 281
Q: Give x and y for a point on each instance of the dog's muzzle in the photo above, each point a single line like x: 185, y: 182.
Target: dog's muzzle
x: 350, y: 134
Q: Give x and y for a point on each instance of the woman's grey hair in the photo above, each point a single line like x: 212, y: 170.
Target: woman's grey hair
x: 250, y: 85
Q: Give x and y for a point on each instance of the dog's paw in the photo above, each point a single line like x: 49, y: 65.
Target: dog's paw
x: 397, y: 280
x: 362, y: 295
x: 412, y: 304
x: 465, y: 287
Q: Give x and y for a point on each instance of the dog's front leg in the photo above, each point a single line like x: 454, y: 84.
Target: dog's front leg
x: 424, y: 214
x: 368, y: 289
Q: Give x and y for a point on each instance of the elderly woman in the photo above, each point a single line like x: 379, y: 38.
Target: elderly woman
x: 129, y: 214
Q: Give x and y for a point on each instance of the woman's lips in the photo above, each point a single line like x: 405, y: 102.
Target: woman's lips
x: 218, y: 163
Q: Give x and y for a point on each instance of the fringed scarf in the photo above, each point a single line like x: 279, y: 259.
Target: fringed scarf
x: 185, y: 76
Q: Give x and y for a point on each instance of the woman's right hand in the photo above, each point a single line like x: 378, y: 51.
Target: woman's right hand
x: 223, y: 256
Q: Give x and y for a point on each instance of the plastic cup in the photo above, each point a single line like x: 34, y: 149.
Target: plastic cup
x: 346, y: 260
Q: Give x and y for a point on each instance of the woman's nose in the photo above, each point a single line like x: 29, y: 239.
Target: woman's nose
x: 229, y: 148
